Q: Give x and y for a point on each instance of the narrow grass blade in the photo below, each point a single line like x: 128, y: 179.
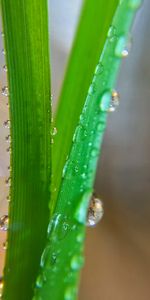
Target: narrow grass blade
x: 26, y: 40
x: 62, y: 258
x: 95, y: 20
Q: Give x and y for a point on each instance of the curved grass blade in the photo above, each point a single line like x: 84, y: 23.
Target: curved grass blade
x: 62, y: 258
x: 26, y: 40
x: 94, y: 22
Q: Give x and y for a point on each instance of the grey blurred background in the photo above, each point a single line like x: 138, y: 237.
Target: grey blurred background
x: 118, y: 249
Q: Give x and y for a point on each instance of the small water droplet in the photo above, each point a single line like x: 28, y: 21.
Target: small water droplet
x: 40, y: 280
x: 52, y: 141
x: 45, y: 258
x: 5, y: 245
x: 111, y: 31
x: 7, y: 181
x: 91, y: 90
x: 6, y: 123
x: 8, y: 149
x: 77, y: 262
x: 1, y: 286
x: 2, y: 34
x: 5, y: 68
x: 7, y: 138
x: 54, y: 131
x: 135, y: 4
x: 4, y: 220
x: 99, y: 69
x: 70, y: 293
x: 114, y: 101
x: 122, y: 47
x: 101, y: 126
x: 5, y: 91
x: 105, y: 101
x: 95, y: 211
x: 3, y: 51
x: 94, y: 152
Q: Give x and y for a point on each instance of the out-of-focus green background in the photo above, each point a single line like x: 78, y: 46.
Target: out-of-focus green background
x: 118, y: 249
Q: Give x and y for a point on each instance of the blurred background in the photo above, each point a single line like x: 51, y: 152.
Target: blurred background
x: 117, y: 250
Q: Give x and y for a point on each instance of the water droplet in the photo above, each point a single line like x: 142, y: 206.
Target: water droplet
x: 111, y: 31
x: 1, y: 286
x: 8, y: 149
x: 99, y: 69
x: 4, y: 220
x: 91, y: 90
x: 3, y: 51
x: 122, y: 47
x: 40, y: 280
x: 5, y: 91
x: 94, y: 152
x: 135, y: 4
x: 105, y: 101
x: 45, y: 258
x: 6, y: 123
x: 5, y: 245
x: 80, y: 237
x: 77, y: 262
x: 7, y: 181
x: 54, y: 131
x: 70, y: 293
x: 101, y: 126
x: 2, y: 34
x: 52, y: 141
x: 95, y: 211
x: 114, y: 101
x: 5, y: 68
x: 7, y: 138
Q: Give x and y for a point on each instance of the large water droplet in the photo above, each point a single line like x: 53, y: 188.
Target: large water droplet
x: 95, y: 211
x: 4, y: 220
x: 105, y: 101
x: 5, y: 91
x: 114, y: 101
x: 77, y: 262
x: 135, y: 4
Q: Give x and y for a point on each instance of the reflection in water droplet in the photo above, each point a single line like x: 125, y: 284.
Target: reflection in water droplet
x: 5, y: 91
x: 4, y: 220
x: 45, y: 258
x: 77, y: 262
x: 135, y: 4
x: 105, y: 101
x: 114, y: 101
x: 95, y: 211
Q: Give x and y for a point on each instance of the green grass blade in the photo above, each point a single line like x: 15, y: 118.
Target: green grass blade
x: 26, y: 40
x: 95, y: 20
x: 62, y: 258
